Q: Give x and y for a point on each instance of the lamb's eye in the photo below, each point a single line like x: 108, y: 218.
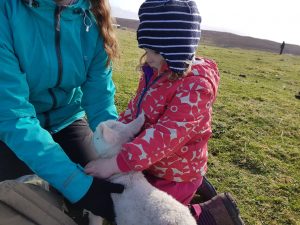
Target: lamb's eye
x: 113, y: 126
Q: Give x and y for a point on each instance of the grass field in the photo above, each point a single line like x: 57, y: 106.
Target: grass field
x: 255, y: 149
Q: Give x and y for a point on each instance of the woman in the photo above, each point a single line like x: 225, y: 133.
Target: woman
x: 55, y: 67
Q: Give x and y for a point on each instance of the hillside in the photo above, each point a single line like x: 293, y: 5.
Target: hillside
x: 229, y: 40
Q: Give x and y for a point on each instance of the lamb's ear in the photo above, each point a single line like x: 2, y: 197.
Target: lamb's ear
x: 99, y: 130
x: 109, y: 135
x: 136, y: 125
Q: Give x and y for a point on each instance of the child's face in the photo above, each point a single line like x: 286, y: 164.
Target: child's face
x: 153, y: 59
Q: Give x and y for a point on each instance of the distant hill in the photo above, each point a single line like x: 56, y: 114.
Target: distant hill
x: 228, y: 40
x: 121, y: 13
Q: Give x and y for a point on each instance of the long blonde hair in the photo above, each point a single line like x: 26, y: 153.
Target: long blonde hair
x: 102, y: 12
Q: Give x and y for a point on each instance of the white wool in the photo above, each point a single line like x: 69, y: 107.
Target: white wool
x: 140, y: 203
x: 143, y: 204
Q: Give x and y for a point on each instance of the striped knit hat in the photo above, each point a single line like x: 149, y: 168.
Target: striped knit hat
x: 172, y: 28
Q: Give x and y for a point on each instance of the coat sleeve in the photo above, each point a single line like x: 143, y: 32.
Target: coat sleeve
x: 99, y: 90
x: 187, y: 114
x: 20, y: 129
x: 127, y: 115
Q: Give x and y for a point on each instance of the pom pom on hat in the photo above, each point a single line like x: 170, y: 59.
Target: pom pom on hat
x: 172, y: 28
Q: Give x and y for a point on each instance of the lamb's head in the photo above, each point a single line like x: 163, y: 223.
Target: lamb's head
x: 111, y: 135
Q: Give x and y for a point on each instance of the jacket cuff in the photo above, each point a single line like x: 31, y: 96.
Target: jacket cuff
x: 122, y: 163
x: 76, y: 185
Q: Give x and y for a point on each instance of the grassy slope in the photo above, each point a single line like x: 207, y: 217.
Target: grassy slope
x: 255, y: 149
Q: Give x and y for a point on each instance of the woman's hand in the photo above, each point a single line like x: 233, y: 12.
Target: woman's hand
x: 102, y: 168
x: 98, y: 198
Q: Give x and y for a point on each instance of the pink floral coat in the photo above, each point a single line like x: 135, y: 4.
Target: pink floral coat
x: 173, y: 142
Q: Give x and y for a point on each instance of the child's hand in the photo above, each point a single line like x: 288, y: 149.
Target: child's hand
x: 102, y: 168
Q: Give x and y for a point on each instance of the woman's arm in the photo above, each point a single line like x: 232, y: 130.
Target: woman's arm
x: 20, y: 129
x: 99, y: 90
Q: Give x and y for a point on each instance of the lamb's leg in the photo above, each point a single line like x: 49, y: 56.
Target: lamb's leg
x: 94, y: 220
x: 90, y: 153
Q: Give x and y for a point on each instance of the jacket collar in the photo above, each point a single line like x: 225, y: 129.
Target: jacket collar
x: 78, y: 8
x: 165, y: 68
x: 77, y: 4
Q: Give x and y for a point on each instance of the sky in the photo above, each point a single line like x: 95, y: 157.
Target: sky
x: 275, y: 20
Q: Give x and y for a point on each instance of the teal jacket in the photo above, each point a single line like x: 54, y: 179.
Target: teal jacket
x: 52, y: 71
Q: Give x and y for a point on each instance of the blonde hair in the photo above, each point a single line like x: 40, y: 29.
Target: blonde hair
x: 172, y: 75
x: 102, y: 13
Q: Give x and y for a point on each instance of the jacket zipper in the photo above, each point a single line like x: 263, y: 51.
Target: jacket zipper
x: 145, y: 91
x: 57, y: 13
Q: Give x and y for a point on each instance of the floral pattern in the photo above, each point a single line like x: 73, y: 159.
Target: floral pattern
x: 173, y: 142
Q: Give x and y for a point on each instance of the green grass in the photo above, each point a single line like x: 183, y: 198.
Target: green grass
x: 255, y: 149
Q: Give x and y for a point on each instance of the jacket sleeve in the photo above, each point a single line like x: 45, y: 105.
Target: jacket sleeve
x: 21, y: 132
x: 99, y: 90
x: 187, y: 114
x: 128, y: 115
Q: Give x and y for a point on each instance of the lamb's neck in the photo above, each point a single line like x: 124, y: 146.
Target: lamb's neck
x: 118, y: 175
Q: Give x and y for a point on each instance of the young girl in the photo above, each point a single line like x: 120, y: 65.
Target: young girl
x: 176, y: 93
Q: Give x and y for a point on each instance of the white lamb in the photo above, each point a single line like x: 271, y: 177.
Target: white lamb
x: 140, y: 203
